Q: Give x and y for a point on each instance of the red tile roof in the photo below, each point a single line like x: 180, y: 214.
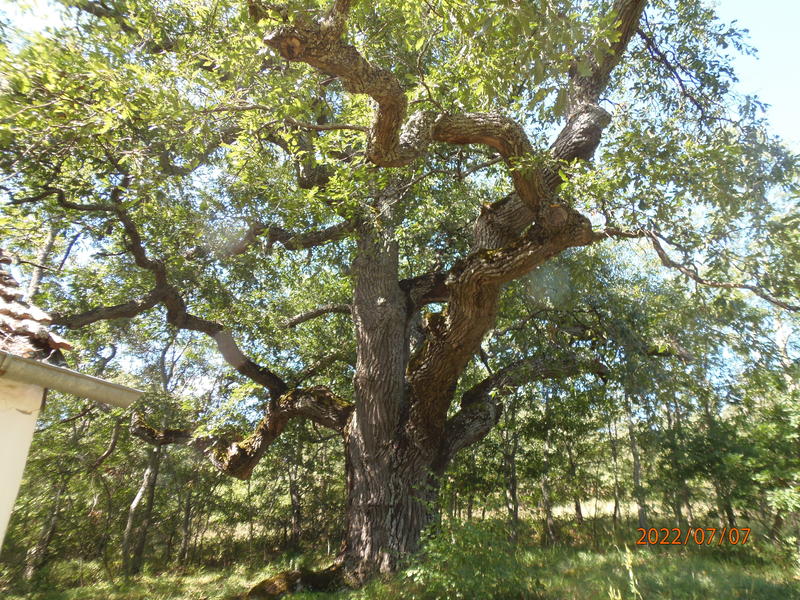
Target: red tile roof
x: 23, y: 326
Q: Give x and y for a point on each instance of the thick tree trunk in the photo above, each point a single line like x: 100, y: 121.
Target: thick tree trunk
x: 390, y: 502
x: 390, y: 489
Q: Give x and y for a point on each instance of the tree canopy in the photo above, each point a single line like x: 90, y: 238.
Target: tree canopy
x: 391, y: 219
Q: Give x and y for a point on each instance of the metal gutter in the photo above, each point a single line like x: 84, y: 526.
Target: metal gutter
x: 64, y: 380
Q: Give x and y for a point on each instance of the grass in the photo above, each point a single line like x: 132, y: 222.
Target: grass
x: 479, y: 561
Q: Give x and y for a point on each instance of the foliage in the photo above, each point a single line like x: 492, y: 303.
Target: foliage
x: 478, y: 558
x: 163, y: 147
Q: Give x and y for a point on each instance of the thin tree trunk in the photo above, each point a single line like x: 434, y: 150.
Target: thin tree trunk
x: 777, y: 525
x: 578, y: 511
x: 638, y: 489
x: 687, y: 502
x: 512, y: 495
x: 186, y: 530
x: 573, y: 472
x: 672, y: 496
x: 510, y: 460
x: 42, y: 258
x: 147, y: 516
x: 549, y: 534
x: 297, y: 509
x: 37, y: 556
x: 726, y: 508
x: 727, y: 517
x: 549, y: 537
x: 250, y: 519
x: 614, y: 452
x: 146, y: 489
x: 682, y: 489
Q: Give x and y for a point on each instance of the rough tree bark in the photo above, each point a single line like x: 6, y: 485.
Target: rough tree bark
x: 397, y: 435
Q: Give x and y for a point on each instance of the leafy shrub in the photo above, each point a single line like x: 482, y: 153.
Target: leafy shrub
x: 65, y: 574
x: 469, y: 560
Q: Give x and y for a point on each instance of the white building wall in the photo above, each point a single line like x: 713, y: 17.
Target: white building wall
x: 19, y: 409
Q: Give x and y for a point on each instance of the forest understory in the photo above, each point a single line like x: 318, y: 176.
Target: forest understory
x: 475, y: 559
x: 478, y: 558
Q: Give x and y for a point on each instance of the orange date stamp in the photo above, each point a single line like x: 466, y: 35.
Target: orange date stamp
x: 699, y: 536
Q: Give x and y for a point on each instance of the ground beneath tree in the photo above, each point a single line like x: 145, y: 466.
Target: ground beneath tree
x: 479, y: 561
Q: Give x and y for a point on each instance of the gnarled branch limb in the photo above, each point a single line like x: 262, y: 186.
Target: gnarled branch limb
x: 165, y: 293
x: 100, y: 10
x: 455, y: 335
x: 179, y: 316
x: 125, y: 310
x: 691, y: 272
x: 238, y: 458
x: 168, y: 167
x: 326, y: 126
x: 156, y: 437
x: 112, y: 445
x: 291, y: 240
x: 480, y: 410
x: 393, y: 140
x: 426, y: 289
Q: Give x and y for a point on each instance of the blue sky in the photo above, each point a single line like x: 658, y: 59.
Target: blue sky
x: 773, y: 75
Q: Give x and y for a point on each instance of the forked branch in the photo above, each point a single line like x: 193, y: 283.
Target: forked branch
x: 239, y: 457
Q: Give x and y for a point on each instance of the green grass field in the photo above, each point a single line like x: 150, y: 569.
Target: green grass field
x: 479, y: 561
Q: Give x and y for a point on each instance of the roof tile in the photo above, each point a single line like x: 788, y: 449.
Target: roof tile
x: 23, y: 326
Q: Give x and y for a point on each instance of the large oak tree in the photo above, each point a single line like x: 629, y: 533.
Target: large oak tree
x: 339, y: 196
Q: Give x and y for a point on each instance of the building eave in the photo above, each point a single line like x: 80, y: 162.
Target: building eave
x: 49, y: 376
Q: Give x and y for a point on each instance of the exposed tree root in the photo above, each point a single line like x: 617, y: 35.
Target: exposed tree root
x: 288, y: 582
